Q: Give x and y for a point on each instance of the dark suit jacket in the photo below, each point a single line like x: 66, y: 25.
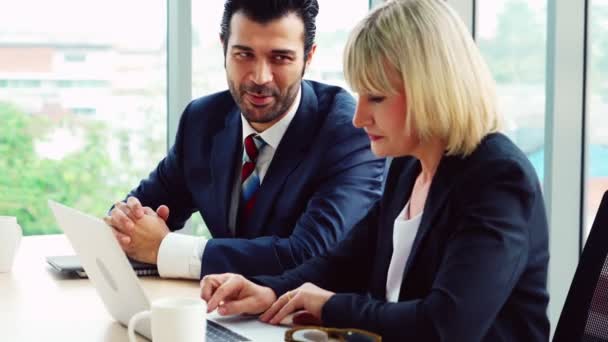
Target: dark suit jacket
x: 478, y: 266
x: 322, y: 180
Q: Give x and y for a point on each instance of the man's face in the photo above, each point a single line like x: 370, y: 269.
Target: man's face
x: 264, y: 66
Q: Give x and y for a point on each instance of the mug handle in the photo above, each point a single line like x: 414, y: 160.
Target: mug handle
x: 133, y: 321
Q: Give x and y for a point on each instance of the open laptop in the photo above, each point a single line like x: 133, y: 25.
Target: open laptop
x: 118, y: 286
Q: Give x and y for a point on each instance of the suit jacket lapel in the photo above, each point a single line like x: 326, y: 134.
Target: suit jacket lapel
x: 436, y: 197
x: 397, y: 193
x: 288, y: 155
x: 226, y: 150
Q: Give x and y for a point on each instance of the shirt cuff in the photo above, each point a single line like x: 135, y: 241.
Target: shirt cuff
x: 180, y: 256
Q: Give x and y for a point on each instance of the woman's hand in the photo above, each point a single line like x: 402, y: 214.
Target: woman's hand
x: 308, y: 297
x: 232, y: 294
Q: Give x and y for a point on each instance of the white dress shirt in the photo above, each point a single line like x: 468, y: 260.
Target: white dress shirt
x: 180, y: 255
x: 404, y: 233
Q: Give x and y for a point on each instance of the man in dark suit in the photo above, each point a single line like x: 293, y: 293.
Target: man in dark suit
x: 273, y: 165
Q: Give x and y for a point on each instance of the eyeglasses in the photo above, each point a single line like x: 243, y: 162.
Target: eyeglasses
x: 320, y: 334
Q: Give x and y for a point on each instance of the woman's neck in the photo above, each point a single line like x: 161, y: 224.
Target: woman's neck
x: 430, y: 156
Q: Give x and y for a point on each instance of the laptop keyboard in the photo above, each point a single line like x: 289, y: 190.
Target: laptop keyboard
x: 218, y: 333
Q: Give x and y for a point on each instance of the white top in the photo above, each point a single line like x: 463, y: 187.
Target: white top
x: 404, y: 233
x: 180, y: 255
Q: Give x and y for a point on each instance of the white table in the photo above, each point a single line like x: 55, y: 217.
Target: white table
x: 38, y: 304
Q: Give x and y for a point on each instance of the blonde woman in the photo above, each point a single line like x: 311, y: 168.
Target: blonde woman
x: 457, y: 248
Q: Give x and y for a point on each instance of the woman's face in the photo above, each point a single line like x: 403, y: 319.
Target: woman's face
x: 382, y: 116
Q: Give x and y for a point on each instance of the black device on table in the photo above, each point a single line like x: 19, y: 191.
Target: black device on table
x: 70, y: 265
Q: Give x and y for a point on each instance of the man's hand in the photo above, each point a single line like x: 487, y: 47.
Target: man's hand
x: 146, y: 238
x: 138, y: 229
x: 232, y: 294
x: 308, y: 297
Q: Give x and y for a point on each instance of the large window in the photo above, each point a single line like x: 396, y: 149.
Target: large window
x: 208, y: 74
x: 512, y: 36
x: 82, y: 104
x: 597, y: 100
x: 333, y: 28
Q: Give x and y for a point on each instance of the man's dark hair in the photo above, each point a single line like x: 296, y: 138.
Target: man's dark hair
x: 264, y: 11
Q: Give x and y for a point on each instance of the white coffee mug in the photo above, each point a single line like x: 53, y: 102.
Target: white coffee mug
x: 174, y: 320
x: 10, y: 237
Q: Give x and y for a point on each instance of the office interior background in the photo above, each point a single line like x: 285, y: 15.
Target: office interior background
x: 91, y: 93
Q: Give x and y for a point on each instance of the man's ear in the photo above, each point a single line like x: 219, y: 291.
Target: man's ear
x: 310, y: 54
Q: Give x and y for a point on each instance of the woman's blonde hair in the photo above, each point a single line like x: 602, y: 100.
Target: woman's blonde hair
x: 449, y: 90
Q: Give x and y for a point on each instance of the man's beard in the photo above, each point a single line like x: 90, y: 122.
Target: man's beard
x: 281, y: 105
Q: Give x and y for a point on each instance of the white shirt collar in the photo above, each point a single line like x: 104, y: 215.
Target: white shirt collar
x: 273, y: 135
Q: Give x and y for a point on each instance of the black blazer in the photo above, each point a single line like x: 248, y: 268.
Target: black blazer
x: 478, y: 266
x: 322, y: 180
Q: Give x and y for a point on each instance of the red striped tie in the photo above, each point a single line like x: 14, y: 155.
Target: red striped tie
x: 250, y: 181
